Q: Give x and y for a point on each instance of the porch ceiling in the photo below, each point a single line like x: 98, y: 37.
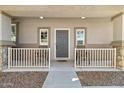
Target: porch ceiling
x: 62, y: 11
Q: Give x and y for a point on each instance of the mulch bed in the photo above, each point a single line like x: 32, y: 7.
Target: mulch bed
x: 101, y: 78
x: 22, y: 79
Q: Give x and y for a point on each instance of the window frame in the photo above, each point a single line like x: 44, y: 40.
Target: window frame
x: 39, y: 36
x: 15, y: 25
x: 78, y: 29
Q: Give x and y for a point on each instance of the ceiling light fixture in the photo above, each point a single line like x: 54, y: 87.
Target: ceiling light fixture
x: 41, y: 17
x: 83, y: 17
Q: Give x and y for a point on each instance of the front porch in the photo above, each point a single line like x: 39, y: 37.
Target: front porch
x: 38, y: 59
x: 36, y: 42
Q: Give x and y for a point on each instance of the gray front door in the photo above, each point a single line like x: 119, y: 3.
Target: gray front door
x: 61, y: 43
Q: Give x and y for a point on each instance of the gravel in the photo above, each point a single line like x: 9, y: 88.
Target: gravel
x: 22, y: 79
x: 101, y: 78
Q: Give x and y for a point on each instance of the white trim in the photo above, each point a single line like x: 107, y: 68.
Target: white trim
x: 68, y: 43
x: 78, y: 30
x: 43, y: 29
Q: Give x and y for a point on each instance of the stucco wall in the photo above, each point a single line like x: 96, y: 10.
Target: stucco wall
x: 117, y: 28
x: 99, y: 31
x: 5, y: 27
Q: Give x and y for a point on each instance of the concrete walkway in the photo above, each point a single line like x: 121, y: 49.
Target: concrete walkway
x: 62, y: 75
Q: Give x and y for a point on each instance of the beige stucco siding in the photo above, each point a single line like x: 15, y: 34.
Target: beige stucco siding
x: 5, y: 27
x: 117, y: 29
x: 99, y: 31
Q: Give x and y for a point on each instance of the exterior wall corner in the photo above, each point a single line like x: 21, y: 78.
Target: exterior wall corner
x: 119, y: 45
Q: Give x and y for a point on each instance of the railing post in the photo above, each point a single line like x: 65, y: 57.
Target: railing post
x: 75, y: 59
x: 9, y: 57
x: 1, y: 58
x: 115, y: 57
x: 49, y: 57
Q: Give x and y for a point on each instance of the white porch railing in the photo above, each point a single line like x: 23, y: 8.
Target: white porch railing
x: 28, y: 57
x: 95, y: 57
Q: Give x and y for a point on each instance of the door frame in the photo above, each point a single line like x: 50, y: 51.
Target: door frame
x: 66, y: 58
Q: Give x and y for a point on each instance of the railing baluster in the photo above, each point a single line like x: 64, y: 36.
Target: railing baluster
x: 44, y: 58
x: 36, y: 57
x: 114, y: 57
x: 29, y: 57
x: 80, y: 57
x: 39, y: 57
x: 18, y: 63
x: 41, y: 54
x: 20, y: 58
x: 75, y: 60
x: 15, y: 57
x: 34, y: 63
x: 9, y: 57
x: 107, y: 58
x: 11, y: 54
x: 26, y: 58
x: 90, y: 57
x: 102, y: 55
x: 49, y: 57
x: 87, y: 57
x: 110, y: 58
x: 84, y: 58
x: 95, y: 57
x: 23, y: 60
x: 100, y: 58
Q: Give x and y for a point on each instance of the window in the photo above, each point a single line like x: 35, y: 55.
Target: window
x: 80, y: 37
x: 13, y: 33
x: 44, y: 36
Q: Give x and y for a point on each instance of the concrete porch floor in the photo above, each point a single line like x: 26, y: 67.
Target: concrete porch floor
x: 69, y: 65
x: 60, y: 66
x: 54, y: 66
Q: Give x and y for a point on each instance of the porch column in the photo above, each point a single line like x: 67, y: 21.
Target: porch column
x: 5, y: 42
x: 118, y: 39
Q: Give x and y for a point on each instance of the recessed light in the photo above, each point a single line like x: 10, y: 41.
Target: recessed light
x: 83, y: 17
x: 41, y: 17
